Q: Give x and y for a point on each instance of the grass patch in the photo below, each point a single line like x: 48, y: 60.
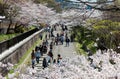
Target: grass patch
x: 79, y: 50
x: 31, y: 27
x: 4, y: 37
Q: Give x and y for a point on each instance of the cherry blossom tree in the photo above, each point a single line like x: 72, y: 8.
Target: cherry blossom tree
x: 76, y: 17
x: 97, y: 66
x: 35, y: 14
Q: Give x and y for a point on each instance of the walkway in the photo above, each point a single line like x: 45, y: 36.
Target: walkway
x: 59, y: 49
x: 62, y: 49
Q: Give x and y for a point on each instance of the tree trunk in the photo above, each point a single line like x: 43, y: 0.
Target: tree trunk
x: 16, y: 29
x: 8, y: 29
x: 17, y: 26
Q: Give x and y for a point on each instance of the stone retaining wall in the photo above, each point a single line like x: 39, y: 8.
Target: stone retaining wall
x: 14, y: 53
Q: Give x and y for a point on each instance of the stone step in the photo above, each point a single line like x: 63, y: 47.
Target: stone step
x: 43, y: 56
x: 39, y: 77
x: 38, y: 65
x: 38, y: 70
x: 41, y: 59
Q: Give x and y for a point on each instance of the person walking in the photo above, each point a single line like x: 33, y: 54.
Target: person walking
x: 55, y: 27
x: 67, y: 41
x: 56, y: 41
x: 66, y: 27
x: 59, y: 58
x: 44, y: 49
x: 50, y: 54
x: 44, y: 63
x: 48, y: 59
x: 41, y: 50
x: 37, y: 55
x: 41, y: 36
x: 62, y: 39
x: 51, y: 46
x: 58, y: 37
x: 46, y: 42
x: 33, y: 58
x: 54, y: 61
x: 52, y: 35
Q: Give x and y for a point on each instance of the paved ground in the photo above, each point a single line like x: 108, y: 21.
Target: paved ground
x: 62, y: 49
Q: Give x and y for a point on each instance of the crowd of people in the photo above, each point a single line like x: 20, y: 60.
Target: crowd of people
x: 47, y: 47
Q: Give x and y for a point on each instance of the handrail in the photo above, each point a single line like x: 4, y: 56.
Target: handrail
x: 11, y: 42
x: 13, y: 48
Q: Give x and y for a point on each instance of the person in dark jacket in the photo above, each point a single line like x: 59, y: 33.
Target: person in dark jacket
x: 59, y: 58
x: 62, y: 39
x: 54, y: 61
x: 33, y: 58
x: 50, y: 54
x: 44, y: 63
x: 51, y: 46
x: 41, y: 36
x: 66, y: 27
x: 41, y: 50
x: 67, y: 41
x: 44, y: 49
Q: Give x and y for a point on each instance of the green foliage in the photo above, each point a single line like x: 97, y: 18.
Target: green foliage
x: 19, y: 30
x: 3, y: 7
x: 107, y: 24
x: 85, y: 38
x: 23, y: 29
x: 79, y: 49
x: 108, y: 31
x: 4, y: 37
x: 31, y: 27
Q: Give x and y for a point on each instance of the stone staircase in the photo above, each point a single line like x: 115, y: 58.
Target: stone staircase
x: 39, y: 65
